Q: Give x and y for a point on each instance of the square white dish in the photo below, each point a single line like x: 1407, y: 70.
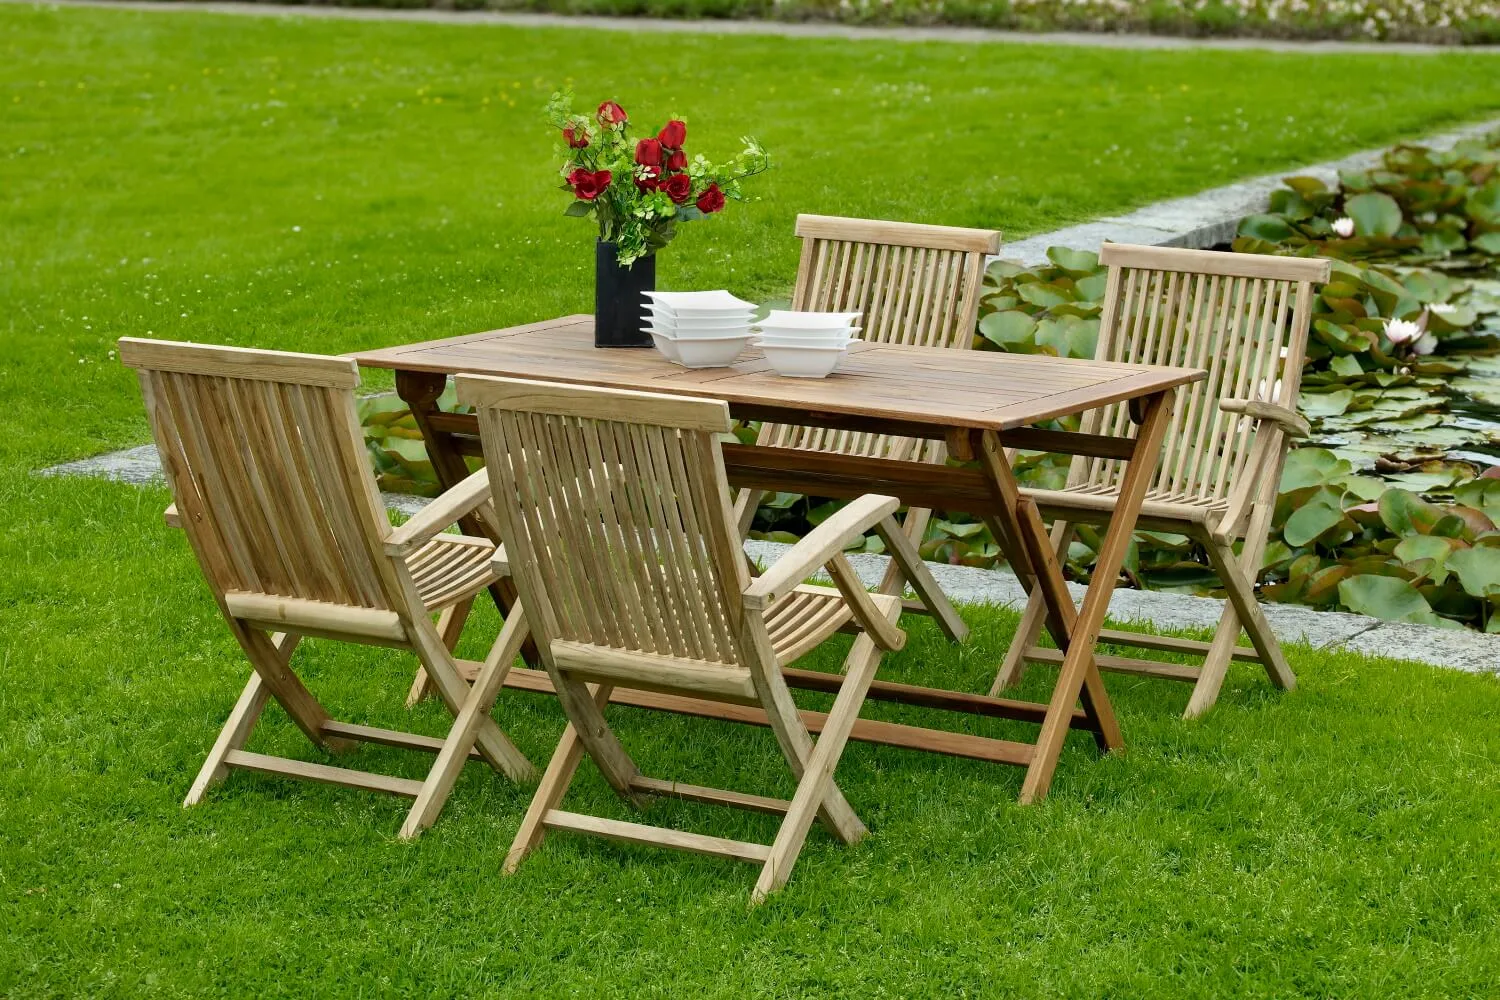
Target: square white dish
x: 719, y: 301
x: 788, y: 319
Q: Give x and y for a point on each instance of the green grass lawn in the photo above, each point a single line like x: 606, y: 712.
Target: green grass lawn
x: 327, y: 186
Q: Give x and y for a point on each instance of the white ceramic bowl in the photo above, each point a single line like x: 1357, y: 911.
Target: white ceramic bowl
x: 667, y: 318
x: 789, y: 319
x: 694, y: 331
x: 802, y: 362
x: 714, y: 301
x: 711, y: 352
x: 667, y: 346
x: 842, y: 342
x: 824, y: 338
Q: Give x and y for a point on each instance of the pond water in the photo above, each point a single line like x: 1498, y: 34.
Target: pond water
x: 1425, y: 431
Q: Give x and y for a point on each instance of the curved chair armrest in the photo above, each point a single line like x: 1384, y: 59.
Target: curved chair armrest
x: 439, y: 514
x: 1292, y: 423
x: 818, y: 547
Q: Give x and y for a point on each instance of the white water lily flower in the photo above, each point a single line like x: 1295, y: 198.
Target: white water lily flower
x: 1402, y: 331
x: 1425, y: 344
x: 1343, y: 227
x: 1443, y: 308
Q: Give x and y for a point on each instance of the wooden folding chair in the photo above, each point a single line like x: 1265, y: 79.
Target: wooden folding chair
x: 1244, y: 317
x: 267, y: 466
x: 912, y: 284
x: 616, y: 515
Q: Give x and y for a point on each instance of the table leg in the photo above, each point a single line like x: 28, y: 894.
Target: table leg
x: 420, y: 391
x: 1023, y: 537
x: 1079, y: 674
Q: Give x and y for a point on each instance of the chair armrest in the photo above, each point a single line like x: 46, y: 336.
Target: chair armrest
x: 439, y: 514
x: 1292, y: 423
x: 170, y: 515
x: 817, y: 547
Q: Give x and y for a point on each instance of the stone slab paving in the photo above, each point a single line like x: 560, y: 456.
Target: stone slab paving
x: 782, y: 29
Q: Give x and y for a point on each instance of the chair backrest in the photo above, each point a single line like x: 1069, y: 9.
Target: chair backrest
x: 1243, y: 317
x: 912, y: 284
x: 615, y: 512
x: 264, y: 455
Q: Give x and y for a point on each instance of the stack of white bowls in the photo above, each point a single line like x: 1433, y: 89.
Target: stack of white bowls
x: 806, y: 344
x: 699, y: 329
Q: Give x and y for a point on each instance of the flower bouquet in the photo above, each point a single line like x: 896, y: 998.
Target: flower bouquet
x: 638, y: 191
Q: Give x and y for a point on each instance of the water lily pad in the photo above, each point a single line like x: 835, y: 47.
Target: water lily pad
x: 1478, y: 569
x: 1271, y: 228
x: 1388, y: 598
x: 1374, y: 214
x: 1325, y: 404
x: 1075, y: 262
x: 1008, y: 329
x: 1310, y: 522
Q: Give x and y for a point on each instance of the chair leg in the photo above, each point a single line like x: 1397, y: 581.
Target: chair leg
x: 494, y: 745
x: 1242, y: 610
x: 450, y: 760
x: 797, y: 747
x: 550, y: 791
x: 1013, y: 667
x: 817, y: 777
x: 913, y: 526
x: 233, y: 736
x: 907, y: 567
x: 270, y: 655
x: 587, y: 716
x: 450, y: 626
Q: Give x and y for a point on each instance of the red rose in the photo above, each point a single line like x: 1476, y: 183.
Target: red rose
x: 648, y: 178
x: 677, y: 160
x: 611, y: 113
x: 648, y: 153
x: 711, y: 200
x: 679, y: 187
x: 587, y: 185
x: 577, y: 138
x: 673, y: 134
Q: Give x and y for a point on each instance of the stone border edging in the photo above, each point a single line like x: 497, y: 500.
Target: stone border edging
x: 1210, y: 217
x: 1465, y: 650
x: 782, y: 29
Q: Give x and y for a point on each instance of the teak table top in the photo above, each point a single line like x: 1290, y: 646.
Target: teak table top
x: 972, y: 389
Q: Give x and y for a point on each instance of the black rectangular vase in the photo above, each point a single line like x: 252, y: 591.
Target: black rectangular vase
x: 619, y: 307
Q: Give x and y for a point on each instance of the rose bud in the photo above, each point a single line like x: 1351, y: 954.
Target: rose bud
x: 677, y: 160
x: 577, y: 138
x: 711, y: 200
x: 611, y: 113
x: 648, y: 153
x: 673, y: 134
x: 679, y: 187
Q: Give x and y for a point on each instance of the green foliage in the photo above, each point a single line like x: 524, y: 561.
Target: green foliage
x: 1419, y: 206
x: 395, y: 443
x: 1049, y: 309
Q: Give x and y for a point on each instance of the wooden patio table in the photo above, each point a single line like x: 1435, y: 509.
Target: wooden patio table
x: 978, y: 403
